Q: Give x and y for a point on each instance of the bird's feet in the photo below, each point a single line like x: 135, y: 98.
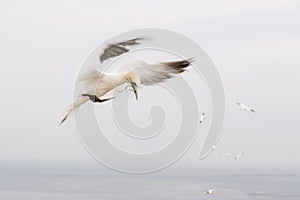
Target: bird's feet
x: 134, y: 87
x: 95, y: 99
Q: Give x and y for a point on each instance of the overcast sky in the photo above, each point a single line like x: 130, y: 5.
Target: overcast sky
x: 254, y: 44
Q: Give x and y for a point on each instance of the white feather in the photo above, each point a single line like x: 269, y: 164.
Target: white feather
x: 150, y: 74
x: 99, y: 83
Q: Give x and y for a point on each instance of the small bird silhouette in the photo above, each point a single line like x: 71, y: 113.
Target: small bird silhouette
x: 243, y: 107
x: 202, y: 118
x: 209, y: 191
x: 238, y: 155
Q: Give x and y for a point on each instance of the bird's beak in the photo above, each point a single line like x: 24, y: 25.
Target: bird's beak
x: 134, y: 86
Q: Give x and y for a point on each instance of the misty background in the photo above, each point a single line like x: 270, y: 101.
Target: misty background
x: 255, y: 46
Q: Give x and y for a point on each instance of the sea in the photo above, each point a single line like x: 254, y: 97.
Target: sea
x: 106, y: 185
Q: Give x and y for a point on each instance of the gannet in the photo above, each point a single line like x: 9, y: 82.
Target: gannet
x: 238, y: 155
x: 210, y: 191
x: 243, y: 107
x: 202, y: 118
x: 141, y: 74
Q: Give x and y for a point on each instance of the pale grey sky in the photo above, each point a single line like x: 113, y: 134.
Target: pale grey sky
x: 254, y: 44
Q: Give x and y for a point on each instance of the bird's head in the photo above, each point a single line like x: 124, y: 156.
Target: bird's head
x: 133, y: 77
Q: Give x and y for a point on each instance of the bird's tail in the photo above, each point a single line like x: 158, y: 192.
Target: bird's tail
x: 78, y: 102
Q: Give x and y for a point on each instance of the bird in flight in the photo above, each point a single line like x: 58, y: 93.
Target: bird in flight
x: 214, y: 147
x: 238, y: 156
x: 117, y: 49
x: 97, y: 84
x: 209, y: 191
x: 202, y: 118
x: 243, y: 107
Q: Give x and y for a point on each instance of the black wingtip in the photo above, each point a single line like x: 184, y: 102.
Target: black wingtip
x: 191, y: 60
x: 180, y: 65
x: 63, y: 120
x: 133, y: 41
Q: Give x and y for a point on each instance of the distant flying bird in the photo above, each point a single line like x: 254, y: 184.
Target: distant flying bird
x: 116, y: 49
x: 202, y: 118
x: 100, y: 83
x: 243, y: 107
x: 214, y: 147
x: 210, y: 191
x: 238, y: 155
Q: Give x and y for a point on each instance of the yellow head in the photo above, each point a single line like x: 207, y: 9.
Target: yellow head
x: 133, y: 77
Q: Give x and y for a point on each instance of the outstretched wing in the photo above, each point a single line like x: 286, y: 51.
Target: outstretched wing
x: 129, y: 42
x: 93, y: 75
x: 155, y: 73
x: 116, y: 49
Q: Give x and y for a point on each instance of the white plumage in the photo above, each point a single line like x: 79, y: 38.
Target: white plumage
x: 243, y: 107
x: 96, y: 84
x: 238, y: 155
x: 209, y: 191
x: 202, y: 118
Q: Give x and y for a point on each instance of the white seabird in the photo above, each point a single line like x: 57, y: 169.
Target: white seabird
x: 202, y: 118
x: 238, y: 155
x: 209, y: 191
x: 214, y: 147
x: 97, y: 84
x: 243, y: 107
